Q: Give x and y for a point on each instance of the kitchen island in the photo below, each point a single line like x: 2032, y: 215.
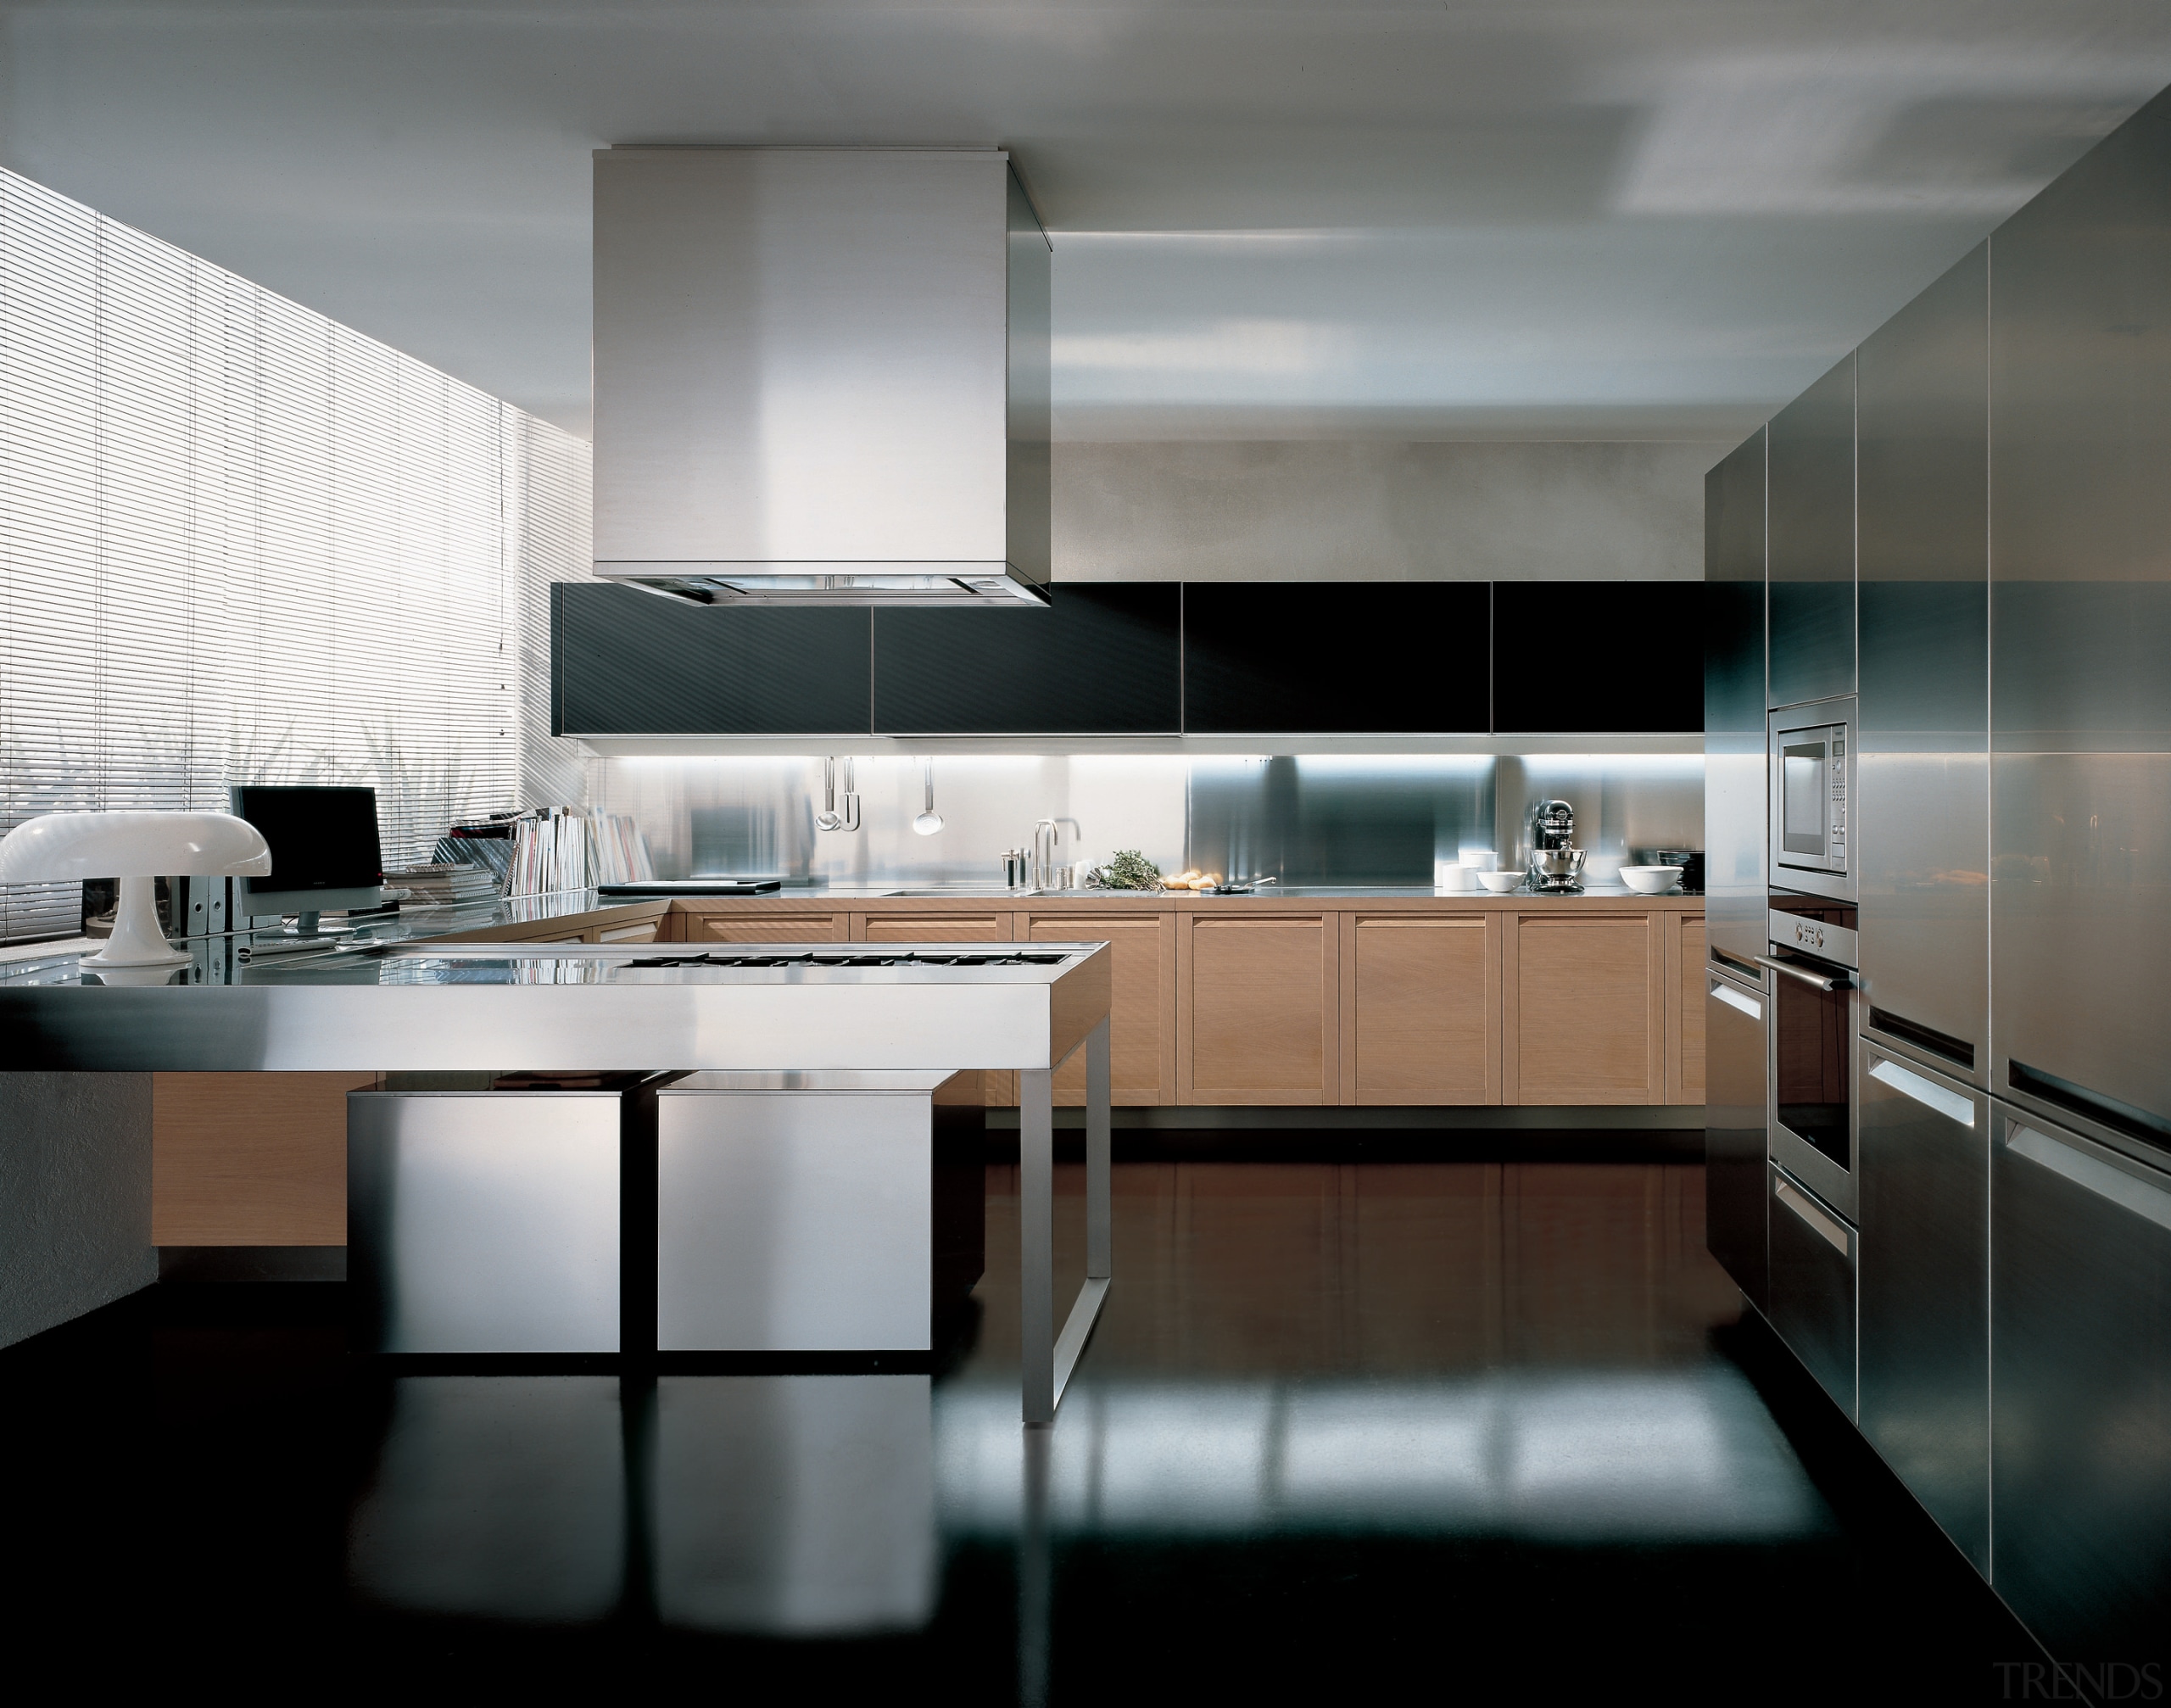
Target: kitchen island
x: 441, y: 1007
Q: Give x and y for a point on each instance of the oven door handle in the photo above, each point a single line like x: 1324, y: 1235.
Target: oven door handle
x: 1823, y: 981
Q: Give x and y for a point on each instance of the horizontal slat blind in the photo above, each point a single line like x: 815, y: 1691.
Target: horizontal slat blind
x: 240, y: 542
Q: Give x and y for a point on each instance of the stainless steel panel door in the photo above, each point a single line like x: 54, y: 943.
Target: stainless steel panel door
x: 2080, y: 1244
x: 484, y: 1222
x: 1813, y: 1253
x: 1921, y: 854
x: 2080, y: 412
x: 1735, y: 1187
x: 1812, y: 542
x: 1925, y: 1283
x: 1733, y: 701
x: 794, y: 1221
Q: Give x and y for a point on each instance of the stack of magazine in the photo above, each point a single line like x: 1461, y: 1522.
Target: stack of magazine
x: 447, y: 883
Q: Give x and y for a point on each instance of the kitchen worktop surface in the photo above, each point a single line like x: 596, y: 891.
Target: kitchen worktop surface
x: 824, y: 893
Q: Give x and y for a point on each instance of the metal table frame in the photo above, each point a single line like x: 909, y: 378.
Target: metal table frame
x: 1049, y: 1358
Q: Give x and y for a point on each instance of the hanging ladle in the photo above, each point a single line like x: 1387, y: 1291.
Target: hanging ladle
x: 929, y: 821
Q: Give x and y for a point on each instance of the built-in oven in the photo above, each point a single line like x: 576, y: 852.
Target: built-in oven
x: 1812, y: 771
x: 1810, y: 1115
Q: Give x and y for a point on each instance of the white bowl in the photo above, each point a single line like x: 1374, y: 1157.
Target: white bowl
x: 1499, y: 883
x: 1650, y: 880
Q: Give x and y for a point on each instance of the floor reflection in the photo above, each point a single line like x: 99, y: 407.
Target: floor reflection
x: 795, y: 1505
x: 496, y: 1497
x: 1592, y: 1456
x: 1346, y: 1429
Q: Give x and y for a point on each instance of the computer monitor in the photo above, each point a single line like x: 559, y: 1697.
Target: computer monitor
x: 325, y: 854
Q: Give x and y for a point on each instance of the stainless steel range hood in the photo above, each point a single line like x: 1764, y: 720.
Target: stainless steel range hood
x: 821, y: 376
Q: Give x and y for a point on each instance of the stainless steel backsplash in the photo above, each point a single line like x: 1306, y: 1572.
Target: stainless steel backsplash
x: 1342, y: 819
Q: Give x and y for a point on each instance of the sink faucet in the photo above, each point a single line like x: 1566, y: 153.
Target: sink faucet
x: 1048, y: 844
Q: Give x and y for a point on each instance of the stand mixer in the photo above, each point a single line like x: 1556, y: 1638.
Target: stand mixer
x: 1556, y: 864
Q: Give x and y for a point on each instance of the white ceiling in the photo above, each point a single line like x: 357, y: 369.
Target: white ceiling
x: 1615, y: 218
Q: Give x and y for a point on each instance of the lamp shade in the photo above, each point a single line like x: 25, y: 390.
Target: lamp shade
x: 60, y: 846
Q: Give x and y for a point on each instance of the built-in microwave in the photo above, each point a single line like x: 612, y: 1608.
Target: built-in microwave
x: 1812, y: 774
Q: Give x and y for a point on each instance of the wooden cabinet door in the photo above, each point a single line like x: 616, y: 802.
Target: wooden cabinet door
x: 1141, y: 1001
x: 1258, y: 1015
x: 1421, y: 1008
x: 1585, y: 1009
x: 764, y: 925
x: 960, y: 927
x: 250, y: 1159
x: 1684, y: 1016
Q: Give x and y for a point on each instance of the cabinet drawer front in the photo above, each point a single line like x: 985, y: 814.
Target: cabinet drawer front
x: 1425, y: 994
x: 935, y: 928
x: 1142, y: 1001
x: 767, y: 927
x: 1260, y: 996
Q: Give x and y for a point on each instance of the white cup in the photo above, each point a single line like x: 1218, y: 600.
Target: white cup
x: 1453, y: 874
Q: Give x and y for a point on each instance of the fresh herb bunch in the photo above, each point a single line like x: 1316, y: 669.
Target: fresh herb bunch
x: 1128, y: 869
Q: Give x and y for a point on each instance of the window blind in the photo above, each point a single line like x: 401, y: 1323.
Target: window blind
x: 240, y: 542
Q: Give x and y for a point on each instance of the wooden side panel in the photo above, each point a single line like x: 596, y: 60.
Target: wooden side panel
x: 1684, y: 1007
x: 1424, y: 1010
x: 1259, y: 1009
x: 766, y: 925
x: 1142, y: 1001
x: 1586, y: 1004
x: 250, y: 1159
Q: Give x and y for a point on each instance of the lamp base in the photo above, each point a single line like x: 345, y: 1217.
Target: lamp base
x: 137, y: 940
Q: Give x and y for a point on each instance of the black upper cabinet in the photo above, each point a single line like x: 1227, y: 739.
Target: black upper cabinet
x: 1598, y: 657
x: 627, y: 662
x: 1101, y: 659
x: 1360, y: 658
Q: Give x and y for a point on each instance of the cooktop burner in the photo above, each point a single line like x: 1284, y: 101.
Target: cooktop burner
x: 812, y: 960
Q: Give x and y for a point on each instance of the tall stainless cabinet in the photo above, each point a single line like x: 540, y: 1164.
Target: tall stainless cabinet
x: 1812, y: 542
x: 2080, y: 895
x: 1924, y: 1300
x: 2080, y: 624
x: 1922, y: 769
x: 1733, y: 705
x: 1735, y: 1226
x: 2081, y: 1291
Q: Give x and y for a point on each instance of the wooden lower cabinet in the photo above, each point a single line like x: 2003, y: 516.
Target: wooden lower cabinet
x: 1257, y: 1007
x: 1684, y: 1012
x: 1421, y: 1008
x: 1585, y: 1002
x: 250, y: 1159
x: 962, y: 926
x: 1142, y: 1000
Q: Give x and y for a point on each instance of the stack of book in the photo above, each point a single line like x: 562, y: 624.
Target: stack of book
x: 452, y: 883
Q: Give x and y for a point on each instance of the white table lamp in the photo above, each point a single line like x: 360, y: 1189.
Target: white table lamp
x: 138, y: 848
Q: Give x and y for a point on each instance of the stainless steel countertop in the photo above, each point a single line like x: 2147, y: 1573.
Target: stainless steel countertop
x: 556, y: 1007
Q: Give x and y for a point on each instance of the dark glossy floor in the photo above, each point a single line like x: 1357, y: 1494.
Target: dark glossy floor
x: 1361, y: 1431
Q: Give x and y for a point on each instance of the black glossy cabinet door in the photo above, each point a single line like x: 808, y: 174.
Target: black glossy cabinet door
x: 1279, y: 657
x: 1102, y: 658
x: 626, y: 662
x: 1598, y: 657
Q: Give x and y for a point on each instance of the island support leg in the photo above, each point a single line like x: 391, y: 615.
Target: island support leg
x: 1047, y: 1358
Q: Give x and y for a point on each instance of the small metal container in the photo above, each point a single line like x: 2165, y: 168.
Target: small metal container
x: 1015, y: 863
